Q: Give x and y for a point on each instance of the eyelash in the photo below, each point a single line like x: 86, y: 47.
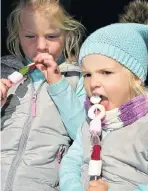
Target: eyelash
x: 49, y: 37
x: 86, y: 75
x: 106, y: 72
x: 52, y: 37
x: 29, y: 36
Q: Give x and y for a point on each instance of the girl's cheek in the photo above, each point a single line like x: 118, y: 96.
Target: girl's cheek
x: 87, y: 88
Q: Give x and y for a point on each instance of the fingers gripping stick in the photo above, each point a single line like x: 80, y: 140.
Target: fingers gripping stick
x: 17, y: 78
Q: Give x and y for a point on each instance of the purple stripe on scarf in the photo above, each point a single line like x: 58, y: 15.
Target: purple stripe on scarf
x: 87, y: 104
x: 133, y: 110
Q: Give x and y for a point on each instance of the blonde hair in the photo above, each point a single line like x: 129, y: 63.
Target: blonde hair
x: 74, y: 30
x: 137, y: 87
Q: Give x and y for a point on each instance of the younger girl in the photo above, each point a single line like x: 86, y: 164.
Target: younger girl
x: 34, y: 137
x: 114, y: 63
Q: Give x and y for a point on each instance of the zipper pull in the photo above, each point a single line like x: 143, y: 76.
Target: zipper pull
x: 60, y: 154
x: 33, y: 106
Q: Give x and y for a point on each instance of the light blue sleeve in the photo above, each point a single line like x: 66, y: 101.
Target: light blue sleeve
x: 142, y: 187
x: 70, y: 168
x: 69, y: 103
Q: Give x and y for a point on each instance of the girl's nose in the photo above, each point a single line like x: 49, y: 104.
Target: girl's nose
x: 94, y: 82
x: 42, y: 45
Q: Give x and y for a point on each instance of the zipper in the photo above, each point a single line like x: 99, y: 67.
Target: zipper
x: 23, y: 141
x: 33, y: 105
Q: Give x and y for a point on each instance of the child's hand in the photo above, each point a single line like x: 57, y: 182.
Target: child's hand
x: 47, y: 65
x: 5, y: 84
x: 97, y: 185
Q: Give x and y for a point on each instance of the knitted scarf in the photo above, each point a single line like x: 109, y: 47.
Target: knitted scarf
x: 125, y: 115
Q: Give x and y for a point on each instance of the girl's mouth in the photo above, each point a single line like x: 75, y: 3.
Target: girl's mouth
x: 104, y: 101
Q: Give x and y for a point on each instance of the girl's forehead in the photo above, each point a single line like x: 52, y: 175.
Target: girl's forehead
x: 28, y: 14
x: 42, y: 13
x: 34, y: 19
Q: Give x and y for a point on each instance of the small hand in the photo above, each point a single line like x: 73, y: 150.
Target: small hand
x: 5, y: 84
x: 46, y: 64
x: 97, y: 185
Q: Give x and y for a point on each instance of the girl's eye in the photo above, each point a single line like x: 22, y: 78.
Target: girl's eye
x: 87, y: 75
x: 29, y: 36
x: 107, y: 72
x: 52, y: 36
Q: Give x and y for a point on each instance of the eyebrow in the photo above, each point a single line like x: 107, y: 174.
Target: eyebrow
x: 48, y: 32
x: 58, y: 33
x: 23, y: 29
x: 99, y: 69
x: 108, y: 68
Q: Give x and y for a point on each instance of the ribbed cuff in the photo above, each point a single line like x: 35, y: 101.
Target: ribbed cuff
x: 72, y: 186
x: 57, y: 88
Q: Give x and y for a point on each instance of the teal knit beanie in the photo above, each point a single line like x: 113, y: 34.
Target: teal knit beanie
x: 127, y: 43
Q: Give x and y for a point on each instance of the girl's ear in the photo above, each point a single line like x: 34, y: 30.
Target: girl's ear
x: 138, y: 82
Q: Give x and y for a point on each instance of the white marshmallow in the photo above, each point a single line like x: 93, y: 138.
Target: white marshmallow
x: 95, y: 126
x: 95, y: 99
x: 95, y: 167
x: 15, y: 77
x: 92, y: 110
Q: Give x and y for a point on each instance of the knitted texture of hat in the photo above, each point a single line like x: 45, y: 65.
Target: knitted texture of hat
x: 126, y: 43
